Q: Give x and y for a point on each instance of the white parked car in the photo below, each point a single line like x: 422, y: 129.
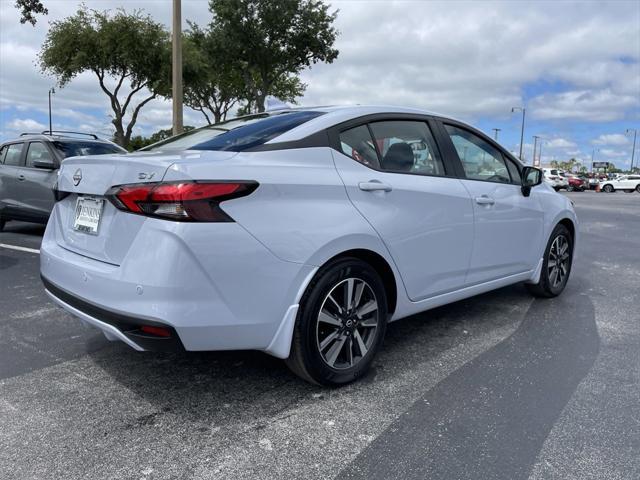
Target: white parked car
x: 627, y: 183
x: 554, y: 178
x: 299, y: 233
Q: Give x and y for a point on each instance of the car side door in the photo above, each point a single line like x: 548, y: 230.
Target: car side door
x: 508, y: 225
x: 9, y: 183
x: 37, y: 182
x: 396, y: 178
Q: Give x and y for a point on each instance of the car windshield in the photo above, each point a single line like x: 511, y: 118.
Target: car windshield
x: 238, y: 134
x: 79, y: 148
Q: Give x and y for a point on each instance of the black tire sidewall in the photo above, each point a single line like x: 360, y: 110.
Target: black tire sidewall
x: 308, y: 313
x: 544, y: 276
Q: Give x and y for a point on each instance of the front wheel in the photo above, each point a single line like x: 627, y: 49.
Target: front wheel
x: 556, y: 266
x: 638, y: 188
x: 340, y: 325
x: 608, y: 188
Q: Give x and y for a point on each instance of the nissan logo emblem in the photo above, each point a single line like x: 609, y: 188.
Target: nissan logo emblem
x: 77, y: 177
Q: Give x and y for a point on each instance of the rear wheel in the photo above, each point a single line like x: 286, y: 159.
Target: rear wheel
x: 556, y: 266
x: 340, y: 325
x: 608, y: 188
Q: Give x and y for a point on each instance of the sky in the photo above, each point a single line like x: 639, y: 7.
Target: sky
x: 574, y: 66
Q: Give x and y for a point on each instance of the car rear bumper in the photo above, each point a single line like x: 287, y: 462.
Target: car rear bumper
x: 214, y: 285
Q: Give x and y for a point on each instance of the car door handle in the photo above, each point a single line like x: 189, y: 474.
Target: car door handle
x: 374, y: 185
x: 21, y: 177
x: 485, y: 200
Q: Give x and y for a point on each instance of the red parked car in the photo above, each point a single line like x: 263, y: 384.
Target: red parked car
x: 575, y: 184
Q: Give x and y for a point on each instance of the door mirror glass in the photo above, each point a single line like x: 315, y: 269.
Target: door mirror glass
x: 531, y: 177
x: 43, y: 163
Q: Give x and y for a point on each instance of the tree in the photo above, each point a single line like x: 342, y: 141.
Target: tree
x: 115, y: 48
x: 30, y: 8
x: 272, y: 41
x: 213, y: 83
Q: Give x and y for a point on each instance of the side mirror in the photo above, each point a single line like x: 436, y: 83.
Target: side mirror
x: 44, y: 163
x: 531, y: 177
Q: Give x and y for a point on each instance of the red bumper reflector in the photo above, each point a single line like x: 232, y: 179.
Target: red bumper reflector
x: 156, y: 331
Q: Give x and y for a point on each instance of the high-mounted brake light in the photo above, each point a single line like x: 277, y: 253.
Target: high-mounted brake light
x: 193, y: 201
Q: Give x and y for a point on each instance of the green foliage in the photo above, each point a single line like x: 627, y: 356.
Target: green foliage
x: 269, y: 42
x: 29, y: 9
x: 213, y: 83
x: 116, y: 46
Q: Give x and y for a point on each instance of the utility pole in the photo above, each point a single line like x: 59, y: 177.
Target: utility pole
x: 176, y: 69
x: 513, y: 109
x: 633, y: 149
x: 593, y: 152
x: 539, y: 155
x: 495, y: 135
x: 52, y: 91
x: 535, y: 144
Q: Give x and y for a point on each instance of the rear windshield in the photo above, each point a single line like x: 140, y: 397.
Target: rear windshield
x: 238, y: 134
x: 79, y: 148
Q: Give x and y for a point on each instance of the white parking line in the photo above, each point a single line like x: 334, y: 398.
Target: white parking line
x: 20, y: 249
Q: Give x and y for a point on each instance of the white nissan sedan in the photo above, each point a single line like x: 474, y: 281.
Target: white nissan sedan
x: 300, y: 233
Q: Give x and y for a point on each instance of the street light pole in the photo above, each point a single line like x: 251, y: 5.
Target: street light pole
x: 513, y: 109
x: 51, y: 91
x: 633, y: 149
x: 593, y: 152
x: 539, y: 154
x: 176, y: 69
x: 495, y: 135
x: 535, y: 144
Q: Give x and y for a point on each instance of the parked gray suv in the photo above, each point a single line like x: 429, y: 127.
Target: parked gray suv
x: 29, y: 169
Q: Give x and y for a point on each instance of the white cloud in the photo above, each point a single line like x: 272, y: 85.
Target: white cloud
x: 586, y: 105
x: 610, y: 152
x: 560, y: 143
x: 611, y: 139
x: 25, y: 125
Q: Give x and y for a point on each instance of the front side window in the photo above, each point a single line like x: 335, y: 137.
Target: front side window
x: 37, y: 151
x: 407, y: 147
x: 14, y: 154
x: 480, y: 160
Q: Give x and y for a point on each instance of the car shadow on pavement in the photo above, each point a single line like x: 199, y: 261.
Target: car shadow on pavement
x: 252, y: 387
x: 490, y: 418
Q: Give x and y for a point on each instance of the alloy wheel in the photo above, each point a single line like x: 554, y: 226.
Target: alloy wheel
x: 347, y: 323
x: 558, y: 262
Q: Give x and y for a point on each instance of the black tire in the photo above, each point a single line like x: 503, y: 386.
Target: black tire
x: 638, y: 188
x: 2, y: 223
x: 308, y: 359
x: 547, y: 286
x: 570, y: 188
x: 608, y: 188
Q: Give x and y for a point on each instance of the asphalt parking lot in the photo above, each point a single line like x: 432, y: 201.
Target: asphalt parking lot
x: 500, y: 386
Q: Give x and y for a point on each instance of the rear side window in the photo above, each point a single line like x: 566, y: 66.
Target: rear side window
x: 37, y: 151
x: 480, y: 160
x: 407, y: 147
x: 80, y: 148
x: 239, y: 134
x: 14, y: 154
x: 358, y: 144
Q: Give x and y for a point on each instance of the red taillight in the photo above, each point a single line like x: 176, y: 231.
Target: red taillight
x: 184, y: 201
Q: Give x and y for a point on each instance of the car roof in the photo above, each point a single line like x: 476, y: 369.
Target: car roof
x: 334, y: 115
x: 56, y: 137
